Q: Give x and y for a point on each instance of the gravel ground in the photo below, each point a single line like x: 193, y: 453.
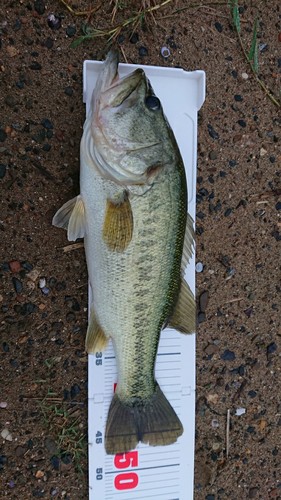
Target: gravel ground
x: 43, y: 295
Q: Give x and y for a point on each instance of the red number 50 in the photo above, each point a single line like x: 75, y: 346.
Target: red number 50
x: 126, y: 480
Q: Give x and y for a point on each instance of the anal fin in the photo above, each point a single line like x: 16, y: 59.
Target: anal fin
x: 118, y: 224
x: 184, y: 314
x: 96, y: 339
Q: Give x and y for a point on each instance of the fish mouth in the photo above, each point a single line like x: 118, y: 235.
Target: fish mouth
x: 114, y: 90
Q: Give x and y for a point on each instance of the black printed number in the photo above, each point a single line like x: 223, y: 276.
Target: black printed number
x: 98, y: 358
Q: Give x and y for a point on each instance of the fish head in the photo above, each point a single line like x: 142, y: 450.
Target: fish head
x: 132, y: 138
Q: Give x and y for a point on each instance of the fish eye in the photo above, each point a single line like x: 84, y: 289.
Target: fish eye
x: 152, y: 102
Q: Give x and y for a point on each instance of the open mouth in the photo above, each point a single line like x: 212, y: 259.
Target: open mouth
x: 122, y: 88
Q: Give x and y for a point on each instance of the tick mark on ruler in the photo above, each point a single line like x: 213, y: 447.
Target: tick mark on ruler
x: 144, y: 468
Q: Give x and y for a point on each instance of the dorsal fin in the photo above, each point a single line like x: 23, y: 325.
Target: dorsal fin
x: 188, y: 245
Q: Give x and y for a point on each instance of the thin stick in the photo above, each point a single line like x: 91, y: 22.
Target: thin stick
x: 227, y: 432
x: 74, y: 246
x: 233, y: 300
x: 124, y: 55
x: 81, y: 13
x: 260, y: 82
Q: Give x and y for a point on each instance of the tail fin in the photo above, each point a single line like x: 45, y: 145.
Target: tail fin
x: 153, y: 421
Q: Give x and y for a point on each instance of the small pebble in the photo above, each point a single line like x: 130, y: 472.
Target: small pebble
x: 5, y: 434
x: 39, y: 7
x: 74, y: 391
x: 228, y: 212
x: 134, y: 38
x: 55, y: 461
x: 45, y: 290
x: 238, y: 97
x: 54, y: 22
x: 120, y: 39
x: 249, y: 312
x: 263, y: 47
x: 18, y: 286
x: 3, y: 170
x: 215, y: 423
x: 199, y: 267
x: 251, y: 429
x: 21, y: 450
x: 5, y: 347
x: 35, y: 65
x: 271, y: 348
x: 240, y: 411
x: 49, y: 43
x: 213, y: 155
x: 33, y: 274
x: 203, y: 300
x: 252, y: 394
x: 245, y: 76
x: 232, y: 163
x: 253, y: 492
x: 165, y: 52
x: 228, y: 355
x: 242, y: 123
x: 46, y: 123
x: 70, y: 31
x: 39, y: 474
x: 218, y: 27
x: 27, y: 266
x: 3, y: 135
x: 42, y: 282
x: 68, y: 91
x: 15, y: 266
x: 201, y: 317
x: 3, y: 459
x: 212, y: 132
x: 3, y: 404
x: 143, y: 51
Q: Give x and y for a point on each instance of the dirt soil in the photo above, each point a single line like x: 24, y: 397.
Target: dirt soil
x: 43, y: 295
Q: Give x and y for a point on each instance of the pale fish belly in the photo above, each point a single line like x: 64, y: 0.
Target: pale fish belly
x: 131, y: 288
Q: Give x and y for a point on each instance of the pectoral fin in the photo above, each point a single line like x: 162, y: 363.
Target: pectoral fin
x: 118, y: 224
x: 183, y: 317
x: 96, y: 339
x: 71, y: 216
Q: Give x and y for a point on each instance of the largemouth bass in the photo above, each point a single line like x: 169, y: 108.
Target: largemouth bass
x: 138, y: 237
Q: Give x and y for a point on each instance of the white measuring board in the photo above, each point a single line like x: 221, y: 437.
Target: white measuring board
x: 162, y: 472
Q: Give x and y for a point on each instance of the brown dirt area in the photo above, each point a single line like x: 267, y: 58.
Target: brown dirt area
x: 43, y: 370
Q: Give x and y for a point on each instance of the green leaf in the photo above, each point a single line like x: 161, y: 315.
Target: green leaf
x: 236, y: 17
x: 254, y: 42
x: 79, y: 40
x: 255, y: 60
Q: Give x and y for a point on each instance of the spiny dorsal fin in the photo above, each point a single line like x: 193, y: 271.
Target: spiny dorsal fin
x: 118, y: 224
x: 183, y: 317
x: 188, y: 245
x: 71, y: 216
x: 96, y: 339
